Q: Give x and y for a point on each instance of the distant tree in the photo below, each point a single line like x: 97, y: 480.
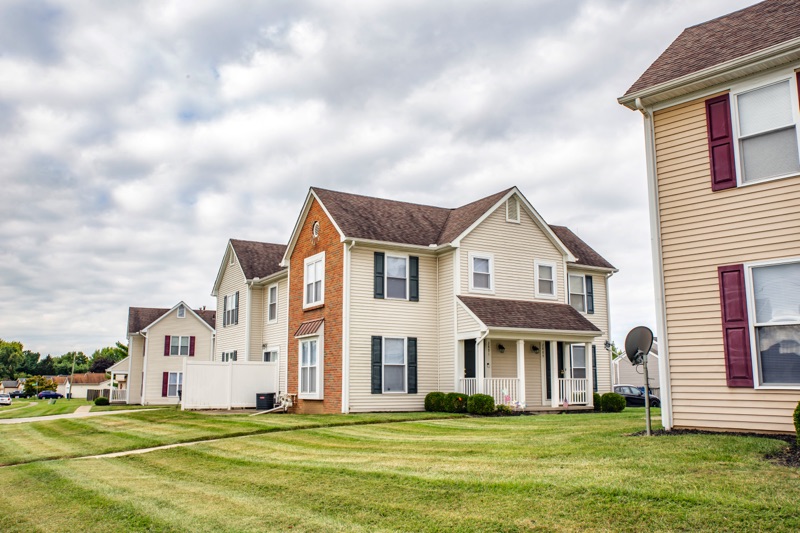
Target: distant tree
x: 45, y: 367
x: 29, y: 364
x: 105, y: 357
x: 101, y: 363
x: 10, y: 358
x: 63, y: 365
x: 36, y: 384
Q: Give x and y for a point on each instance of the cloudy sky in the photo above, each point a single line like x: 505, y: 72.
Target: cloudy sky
x: 137, y: 137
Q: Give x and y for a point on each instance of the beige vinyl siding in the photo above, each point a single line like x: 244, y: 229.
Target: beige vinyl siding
x: 514, y: 247
x: 257, y: 319
x: 276, y: 333
x: 231, y: 337
x: 446, y: 379
x: 391, y: 318
x: 504, y: 365
x: 600, y: 319
x: 136, y: 353
x: 158, y: 363
x: 466, y: 322
x: 701, y: 230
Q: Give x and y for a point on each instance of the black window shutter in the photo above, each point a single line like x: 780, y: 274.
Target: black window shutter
x: 234, y: 355
x: 594, y: 367
x: 412, y: 365
x: 377, y: 364
x: 589, y: 295
x: 224, y: 311
x: 413, y: 278
x: 236, y: 309
x: 379, y: 271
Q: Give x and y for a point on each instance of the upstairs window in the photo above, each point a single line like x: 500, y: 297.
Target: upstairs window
x: 577, y: 292
x: 230, y: 309
x: 272, y: 304
x: 545, y: 274
x: 314, y: 283
x: 179, y: 345
x: 512, y: 209
x: 396, y: 277
x: 181, y: 311
x: 481, y: 272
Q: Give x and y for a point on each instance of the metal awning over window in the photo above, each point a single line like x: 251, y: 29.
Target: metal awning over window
x: 310, y: 327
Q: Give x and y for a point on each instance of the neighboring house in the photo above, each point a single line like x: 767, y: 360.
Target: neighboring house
x: 79, y: 384
x: 624, y: 373
x: 722, y: 118
x: 389, y: 300
x: 10, y: 385
x: 158, y: 341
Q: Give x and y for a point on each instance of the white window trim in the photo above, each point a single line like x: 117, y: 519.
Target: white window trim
x: 313, y: 259
x: 180, y: 339
x: 270, y: 302
x: 305, y: 395
x: 536, y: 264
x: 178, y: 383
x: 405, y: 366
x: 570, y: 293
x: 275, y: 349
x: 519, y: 217
x: 751, y: 85
x: 229, y: 306
x: 481, y: 255
x: 386, y: 276
x: 751, y: 319
x: 572, y: 355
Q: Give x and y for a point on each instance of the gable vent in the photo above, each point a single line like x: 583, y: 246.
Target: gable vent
x: 512, y: 210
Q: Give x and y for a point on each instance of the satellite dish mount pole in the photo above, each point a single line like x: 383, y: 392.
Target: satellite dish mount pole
x: 646, y: 394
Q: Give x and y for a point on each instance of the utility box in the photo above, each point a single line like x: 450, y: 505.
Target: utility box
x: 265, y: 401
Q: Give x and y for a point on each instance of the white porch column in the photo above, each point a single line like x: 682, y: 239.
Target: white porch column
x: 554, y: 385
x: 521, y: 371
x: 480, y: 366
x: 589, y: 376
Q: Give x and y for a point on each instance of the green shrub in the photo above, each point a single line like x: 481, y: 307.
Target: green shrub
x: 502, y: 409
x: 612, y: 402
x: 434, y: 402
x: 455, y: 402
x: 480, y: 404
x: 598, y: 401
x: 101, y: 400
x: 797, y: 422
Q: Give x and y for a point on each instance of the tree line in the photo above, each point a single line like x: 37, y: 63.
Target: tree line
x: 17, y: 362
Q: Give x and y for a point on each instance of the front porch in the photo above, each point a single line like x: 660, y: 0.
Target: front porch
x: 506, y: 391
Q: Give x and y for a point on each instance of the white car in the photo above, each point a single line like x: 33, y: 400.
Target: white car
x: 5, y: 399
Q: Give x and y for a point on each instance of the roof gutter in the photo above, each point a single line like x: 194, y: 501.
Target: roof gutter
x: 748, y: 64
x: 420, y: 247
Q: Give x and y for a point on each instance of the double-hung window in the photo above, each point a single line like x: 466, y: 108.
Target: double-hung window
x: 271, y: 355
x: 577, y: 292
x: 230, y: 309
x: 766, y: 119
x: 272, y: 304
x: 775, y: 322
x: 394, y: 365
x: 309, y: 368
x: 174, y: 384
x: 481, y: 272
x: 396, y: 277
x: 545, y: 274
x: 179, y: 345
x: 228, y: 356
x: 314, y: 282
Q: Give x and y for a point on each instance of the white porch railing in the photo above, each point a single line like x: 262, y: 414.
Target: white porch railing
x: 573, y: 390
x: 503, y: 390
x: 119, y: 395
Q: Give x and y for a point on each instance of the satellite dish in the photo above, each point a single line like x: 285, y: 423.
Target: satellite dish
x: 638, y: 344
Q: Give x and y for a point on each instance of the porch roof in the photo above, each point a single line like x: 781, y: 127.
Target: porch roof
x: 521, y: 314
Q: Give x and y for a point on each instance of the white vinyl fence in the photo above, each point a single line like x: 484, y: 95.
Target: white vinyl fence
x: 218, y: 385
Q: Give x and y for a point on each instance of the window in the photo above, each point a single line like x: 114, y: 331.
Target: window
x: 775, y: 322
x: 228, y: 356
x: 174, y: 384
x: 230, y: 309
x: 577, y: 292
x: 181, y: 311
x: 272, y: 304
x: 394, y: 365
x: 314, y: 285
x: 545, y: 274
x: 396, y: 277
x: 179, y: 345
x: 481, y: 272
x: 271, y: 355
x: 309, y: 368
x: 767, y: 135
x: 512, y: 210
x: 578, y: 361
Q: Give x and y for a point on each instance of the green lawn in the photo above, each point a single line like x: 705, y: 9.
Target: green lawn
x: 551, y: 472
x: 22, y: 408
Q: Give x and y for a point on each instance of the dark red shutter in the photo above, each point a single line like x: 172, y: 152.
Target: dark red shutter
x: 191, y: 346
x: 720, y: 143
x: 166, y: 345
x: 735, y: 326
x: 165, y: 384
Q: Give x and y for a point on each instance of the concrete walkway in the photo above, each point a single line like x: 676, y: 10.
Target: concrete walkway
x: 83, y: 411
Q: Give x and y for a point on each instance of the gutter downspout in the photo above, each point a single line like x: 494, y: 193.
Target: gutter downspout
x: 247, y: 320
x: 658, y: 272
x: 346, y: 328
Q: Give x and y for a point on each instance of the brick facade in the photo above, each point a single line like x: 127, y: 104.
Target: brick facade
x: 331, y: 310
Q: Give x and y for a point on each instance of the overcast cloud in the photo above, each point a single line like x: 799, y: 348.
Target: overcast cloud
x: 137, y: 137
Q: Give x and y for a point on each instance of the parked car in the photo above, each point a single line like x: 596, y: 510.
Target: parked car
x: 19, y: 394
x: 634, y: 397
x: 46, y: 394
x: 5, y: 399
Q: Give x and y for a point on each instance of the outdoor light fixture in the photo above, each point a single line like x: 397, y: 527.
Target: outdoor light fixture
x: 501, y: 348
x: 607, y: 345
x: 534, y: 348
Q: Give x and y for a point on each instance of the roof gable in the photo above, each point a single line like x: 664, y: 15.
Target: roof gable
x: 141, y: 318
x: 584, y: 254
x: 254, y: 259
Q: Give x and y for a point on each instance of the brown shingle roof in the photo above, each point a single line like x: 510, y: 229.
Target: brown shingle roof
x: 520, y: 314
x: 89, y: 378
x: 378, y: 219
x: 141, y: 317
x: 584, y: 253
x: 723, y: 39
x: 258, y: 259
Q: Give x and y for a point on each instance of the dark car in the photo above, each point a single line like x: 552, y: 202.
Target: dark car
x: 45, y: 394
x: 634, y: 397
x: 19, y: 394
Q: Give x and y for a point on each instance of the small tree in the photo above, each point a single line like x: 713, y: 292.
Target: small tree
x: 11, y: 357
x: 36, y: 384
x: 797, y: 422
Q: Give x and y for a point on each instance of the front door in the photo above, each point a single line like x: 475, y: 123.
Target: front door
x: 469, y: 358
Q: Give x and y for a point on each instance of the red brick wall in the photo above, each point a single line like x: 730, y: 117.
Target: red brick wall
x: 329, y: 242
